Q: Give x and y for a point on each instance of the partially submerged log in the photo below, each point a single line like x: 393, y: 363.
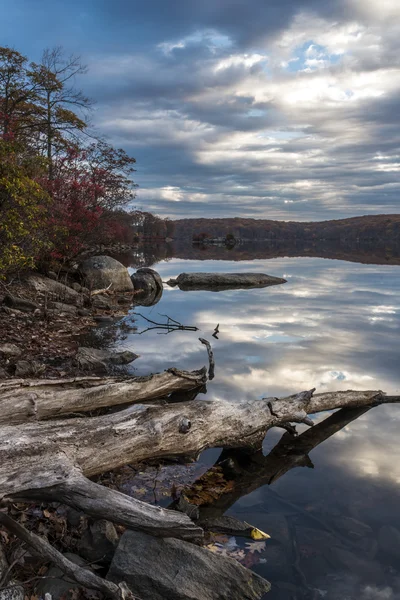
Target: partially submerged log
x: 215, y: 282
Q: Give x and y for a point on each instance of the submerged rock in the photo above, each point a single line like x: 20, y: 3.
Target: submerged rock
x: 101, y: 272
x: 223, y: 281
x: 101, y: 361
x: 156, y: 569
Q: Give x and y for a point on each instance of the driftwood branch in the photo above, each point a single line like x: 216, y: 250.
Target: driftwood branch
x: 170, y: 326
x: 104, y: 503
x: 82, y: 576
x: 211, y: 368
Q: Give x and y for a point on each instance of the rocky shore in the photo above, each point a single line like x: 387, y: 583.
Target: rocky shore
x: 44, y: 317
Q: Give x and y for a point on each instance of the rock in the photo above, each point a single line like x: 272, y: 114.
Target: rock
x: 54, y: 290
x: 101, y: 302
x: 102, y: 271
x: 10, y: 350
x: 12, y: 593
x: 63, y: 308
x: 3, y: 373
x: 215, y: 282
x: 59, y: 585
x: 156, y: 569
x: 19, y: 303
x: 367, y: 570
x: 104, y: 319
x: 25, y: 368
x: 151, y: 286
x: 389, y: 541
x: 99, y: 542
x: 74, y: 517
x: 351, y: 527
x: 100, y: 361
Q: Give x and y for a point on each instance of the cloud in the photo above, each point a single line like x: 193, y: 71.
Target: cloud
x: 265, y: 111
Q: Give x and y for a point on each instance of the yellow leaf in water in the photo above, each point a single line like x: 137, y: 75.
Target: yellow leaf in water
x: 257, y: 534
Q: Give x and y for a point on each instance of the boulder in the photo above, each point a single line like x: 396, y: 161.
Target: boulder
x: 101, y: 272
x: 19, y: 303
x: 101, y: 302
x: 156, y: 569
x: 96, y: 360
x: 63, y: 308
x: 150, y: 285
x: 99, y: 542
x: 54, y: 290
x: 26, y: 368
x: 215, y: 282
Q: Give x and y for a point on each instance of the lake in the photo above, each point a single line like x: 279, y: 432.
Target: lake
x: 335, y: 521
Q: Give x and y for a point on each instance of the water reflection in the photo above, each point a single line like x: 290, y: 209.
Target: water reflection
x: 334, y: 326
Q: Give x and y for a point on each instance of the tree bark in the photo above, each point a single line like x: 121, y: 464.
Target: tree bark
x: 35, y: 400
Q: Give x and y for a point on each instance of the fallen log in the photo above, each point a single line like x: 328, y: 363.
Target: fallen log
x: 50, y: 460
x: 37, y: 455
x: 24, y: 400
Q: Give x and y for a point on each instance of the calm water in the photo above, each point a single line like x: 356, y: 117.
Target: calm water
x: 334, y: 325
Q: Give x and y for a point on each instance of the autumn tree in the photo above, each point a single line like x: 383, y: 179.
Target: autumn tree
x: 58, y: 124
x: 18, y: 96
x: 23, y: 210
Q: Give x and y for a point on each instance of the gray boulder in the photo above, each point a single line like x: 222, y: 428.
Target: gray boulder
x: 61, y: 307
x: 156, y: 569
x: 215, y: 282
x: 54, y: 290
x: 150, y: 285
x: 95, y: 360
x: 103, y: 271
x: 19, y: 303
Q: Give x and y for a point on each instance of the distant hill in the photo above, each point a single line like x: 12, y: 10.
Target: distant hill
x: 376, y: 227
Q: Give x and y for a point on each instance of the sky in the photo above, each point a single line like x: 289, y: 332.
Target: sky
x: 278, y: 109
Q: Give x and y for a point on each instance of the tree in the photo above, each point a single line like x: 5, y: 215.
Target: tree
x: 57, y: 122
x: 109, y: 170
x: 23, y: 210
x: 18, y: 94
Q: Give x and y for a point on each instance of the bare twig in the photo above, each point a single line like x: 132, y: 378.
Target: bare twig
x: 211, y: 368
x: 79, y: 574
x: 170, y: 326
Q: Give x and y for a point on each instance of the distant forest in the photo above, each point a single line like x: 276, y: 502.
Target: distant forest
x: 203, y: 231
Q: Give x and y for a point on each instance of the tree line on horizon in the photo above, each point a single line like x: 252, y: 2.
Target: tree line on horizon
x: 62, y: 188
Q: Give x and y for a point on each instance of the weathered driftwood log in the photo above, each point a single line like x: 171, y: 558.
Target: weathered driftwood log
x: 37, y: 455
x: 51, y: 459
x: 23, y: 400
